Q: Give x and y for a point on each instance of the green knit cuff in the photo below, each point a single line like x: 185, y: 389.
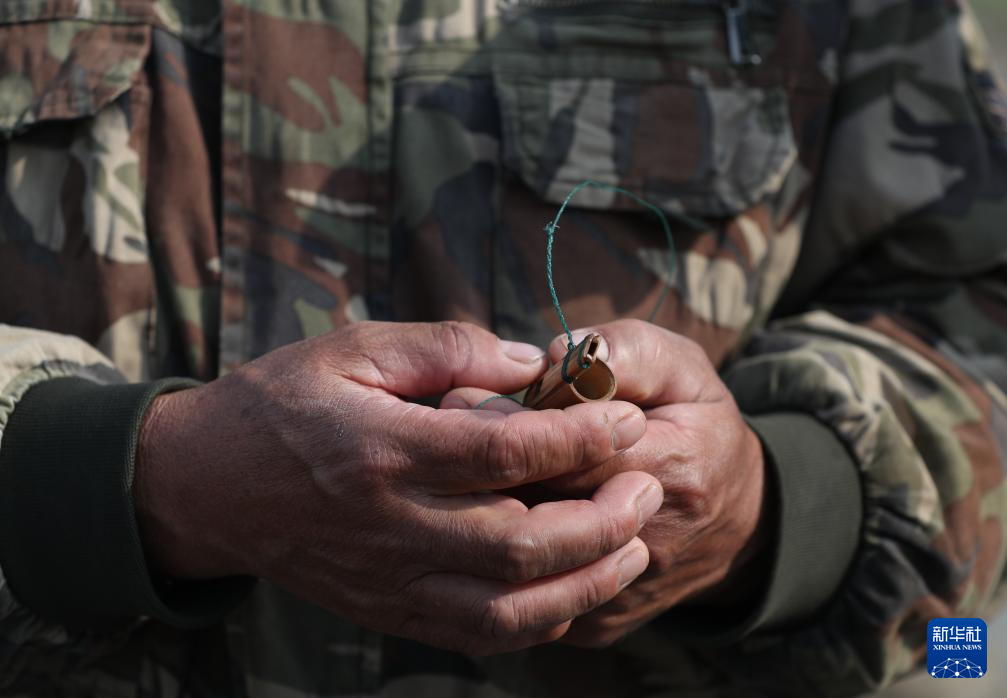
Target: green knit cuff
x: 818, y: 519
x: 820, y: 515
x: 70, y: 548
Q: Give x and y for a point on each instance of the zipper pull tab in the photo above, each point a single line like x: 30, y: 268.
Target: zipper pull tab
x: 739, y: 38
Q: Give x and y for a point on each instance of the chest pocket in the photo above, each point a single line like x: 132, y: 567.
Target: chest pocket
x: 74, y: 112
x: 668, y: 98
x: 73, y: 117
x: 64, y: 68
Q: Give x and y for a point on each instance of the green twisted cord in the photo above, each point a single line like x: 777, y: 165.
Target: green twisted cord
x: 553, y: 226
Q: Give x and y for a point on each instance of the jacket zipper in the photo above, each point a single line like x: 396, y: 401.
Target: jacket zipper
x: 737, y: 13
x: 739, y: 34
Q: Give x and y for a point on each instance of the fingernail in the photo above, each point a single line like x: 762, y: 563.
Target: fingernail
x: 648, y: 503
x: 578, y: 337
x: 628, y: 431
x: 632, y: 565
x: 521, y: 352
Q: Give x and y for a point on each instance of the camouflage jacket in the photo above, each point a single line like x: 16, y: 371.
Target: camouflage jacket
x: 186, y: 185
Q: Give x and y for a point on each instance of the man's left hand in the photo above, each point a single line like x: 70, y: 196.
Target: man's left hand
x: 708, y: 542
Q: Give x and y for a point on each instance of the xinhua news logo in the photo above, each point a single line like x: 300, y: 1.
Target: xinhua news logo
x: 957, y: 648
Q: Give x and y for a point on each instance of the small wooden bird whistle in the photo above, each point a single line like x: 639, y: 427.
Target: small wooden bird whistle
x: 580, y: 377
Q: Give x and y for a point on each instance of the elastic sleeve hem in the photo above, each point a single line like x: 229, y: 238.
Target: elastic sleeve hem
x: 818, y: 519
x: 820, y: 515
x: 70, y: 547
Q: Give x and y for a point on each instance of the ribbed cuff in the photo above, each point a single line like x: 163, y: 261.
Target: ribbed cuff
x: 819, y: 513
x: 69, y: 543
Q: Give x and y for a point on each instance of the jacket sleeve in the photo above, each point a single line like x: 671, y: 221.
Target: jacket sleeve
x: 28, y: 358
x: 73, y: 577
x: 879, y: 392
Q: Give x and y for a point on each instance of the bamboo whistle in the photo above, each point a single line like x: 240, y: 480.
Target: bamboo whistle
x: 580, y: 377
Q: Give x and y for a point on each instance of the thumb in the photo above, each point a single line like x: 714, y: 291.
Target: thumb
x: 423, y: 359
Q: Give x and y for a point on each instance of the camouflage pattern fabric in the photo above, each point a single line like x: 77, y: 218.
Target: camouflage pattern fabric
x: 187, y: 185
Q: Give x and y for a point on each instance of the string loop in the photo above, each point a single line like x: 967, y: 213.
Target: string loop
x: 553, y: 226
x: 550, y: 231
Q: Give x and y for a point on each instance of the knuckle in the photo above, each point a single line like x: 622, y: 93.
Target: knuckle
x: 456, y: 341
x: 506, y: 455
x: 664, y: 557
x: 692, y: 498
x: 513, y: 456
x: 499, y: 618
x: 610, y: 528
x: 414, y: 592
x: 595, y: 593
x: 617, y: 529
x: 568, y: 446
x: 635, y: 325
x: 522, y: 558
x: 576, y: 445
x: 633, y: 332
x: 353, y: 334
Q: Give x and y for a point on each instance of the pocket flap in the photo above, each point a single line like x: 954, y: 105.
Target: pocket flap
x: 65, y: 68
x: 684, y: 145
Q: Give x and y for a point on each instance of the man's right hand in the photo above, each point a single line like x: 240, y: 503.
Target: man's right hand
x: 307, y: 468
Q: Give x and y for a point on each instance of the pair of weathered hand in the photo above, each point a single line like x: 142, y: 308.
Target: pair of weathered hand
x: 308, y: 468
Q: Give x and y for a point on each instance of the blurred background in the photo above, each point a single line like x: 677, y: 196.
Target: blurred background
x: 993, y: 15
x: 993, y: 18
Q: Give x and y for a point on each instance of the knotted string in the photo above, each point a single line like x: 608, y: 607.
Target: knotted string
x: 550, y: 231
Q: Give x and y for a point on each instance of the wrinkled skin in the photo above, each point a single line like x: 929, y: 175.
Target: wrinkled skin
x: 398, y: 161
x: 382, y: 511
x: 710, y: 531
